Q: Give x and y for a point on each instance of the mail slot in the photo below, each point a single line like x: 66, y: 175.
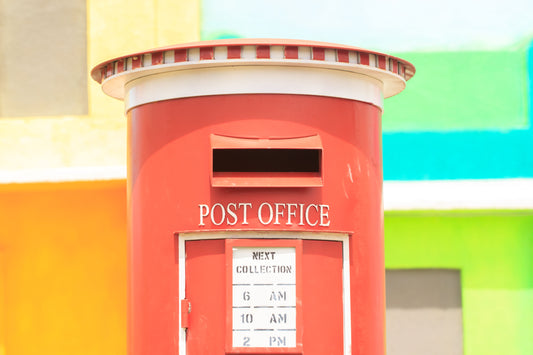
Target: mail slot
x: 255, y: 196
x: 289, y: 162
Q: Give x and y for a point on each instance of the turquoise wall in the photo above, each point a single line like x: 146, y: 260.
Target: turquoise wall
x: 462, y: 117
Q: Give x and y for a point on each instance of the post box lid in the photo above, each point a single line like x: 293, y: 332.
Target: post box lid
x: 391, y: 71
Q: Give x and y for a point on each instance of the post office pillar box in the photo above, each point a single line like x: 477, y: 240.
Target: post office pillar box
x: 255, y: 196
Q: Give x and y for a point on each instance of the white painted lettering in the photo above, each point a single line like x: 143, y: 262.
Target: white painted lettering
x: 301, y: 215
x: 274, y: 213
x: 222, y: 213
x: 244, y: 211
x: 307, y: 215
x: 290, y: 213
x: 260, y: 213
x: 231, y: 213
x: 324, y: 216
x: 204, y: 212
x: 278, y: 212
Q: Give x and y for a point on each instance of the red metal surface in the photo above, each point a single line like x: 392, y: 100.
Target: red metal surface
x: 365, y: 58
x: 234, y: 52
x: 207, y: 53
x: 343, y: 56
x: 319, y: 54
x: 109, y: 69
x: 320, y: 298
x: 136, y: 62
x: 205, y: 289
x: 180, y: 55
x: 322, y: 303
x: 169, y: 179
x: 263, y: 52
x: 157, y: 58
x: 120, y: 66
x: 291, y: 52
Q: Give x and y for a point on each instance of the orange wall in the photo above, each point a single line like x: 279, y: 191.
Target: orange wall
x: 63, y: 268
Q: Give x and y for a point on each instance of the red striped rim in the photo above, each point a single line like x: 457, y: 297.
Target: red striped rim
x: 263, y: 51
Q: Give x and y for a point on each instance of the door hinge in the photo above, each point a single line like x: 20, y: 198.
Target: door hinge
x: 185, y: 308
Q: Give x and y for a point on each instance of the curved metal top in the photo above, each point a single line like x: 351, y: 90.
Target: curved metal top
x: 115, y: 73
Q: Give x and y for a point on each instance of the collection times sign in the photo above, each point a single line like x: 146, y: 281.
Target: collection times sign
x: 264, y: 297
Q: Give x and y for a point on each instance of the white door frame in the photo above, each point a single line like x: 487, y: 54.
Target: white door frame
x: 341, y: 237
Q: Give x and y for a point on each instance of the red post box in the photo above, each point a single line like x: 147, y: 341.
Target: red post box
x: 255, y: 196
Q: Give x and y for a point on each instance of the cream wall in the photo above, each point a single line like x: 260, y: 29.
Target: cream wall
x: 114, y: 27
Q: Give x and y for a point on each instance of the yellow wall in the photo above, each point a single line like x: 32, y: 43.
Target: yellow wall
x: 63, y: 244
x: 64, y: 268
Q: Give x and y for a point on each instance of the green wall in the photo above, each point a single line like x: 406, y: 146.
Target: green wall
x: 469, y: 90
x: 494, y: 251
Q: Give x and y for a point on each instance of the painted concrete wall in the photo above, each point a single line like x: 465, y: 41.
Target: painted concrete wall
x: 493, y: 251
x: 63, y: 263
x: 37, y: 54
x: 424, y: 312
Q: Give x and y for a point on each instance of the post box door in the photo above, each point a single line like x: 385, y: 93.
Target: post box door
x: 319, y: 301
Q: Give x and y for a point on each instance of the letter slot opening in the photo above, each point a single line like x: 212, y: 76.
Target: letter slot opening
x: 245, y: 162
x: 266, y: 160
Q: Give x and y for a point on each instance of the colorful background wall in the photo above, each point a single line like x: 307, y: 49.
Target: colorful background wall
x: 458, y: 163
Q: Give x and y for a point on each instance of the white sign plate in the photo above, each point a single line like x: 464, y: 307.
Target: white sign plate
x: 264, y: 297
